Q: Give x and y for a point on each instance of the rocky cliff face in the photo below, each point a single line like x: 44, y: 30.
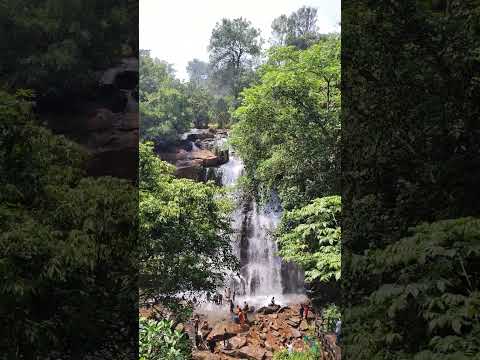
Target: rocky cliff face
x: 196, y: 153
x: 105, y: 122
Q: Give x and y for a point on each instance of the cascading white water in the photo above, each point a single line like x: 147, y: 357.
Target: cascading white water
x: 261, y: 273
x: 262, y: 268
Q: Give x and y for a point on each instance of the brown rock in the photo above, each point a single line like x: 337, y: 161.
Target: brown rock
x: 190, y: 170
x: 237, y: 342
x: 102, y: 119
x: 250, y: 352
x: 283, y: 309
x: 180, y: 328
x: 274, y: 325
x: 296, y: 333
x: 303, y: 326
x: 208, y: 158
x: 272, y: 343
x: 294, y: 321
x: 217, y: 332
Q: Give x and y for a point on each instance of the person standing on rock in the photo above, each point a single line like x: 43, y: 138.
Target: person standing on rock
x: 290, y: 346
x: 232, y: 306
x: 225, y: 339
x: 196, y: 322
x: 211, y: 345
x: 306, y: 311
x: 301, y: 311
x: 272, y: 302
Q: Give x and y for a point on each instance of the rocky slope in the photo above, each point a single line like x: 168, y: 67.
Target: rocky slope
x: 268, y: 331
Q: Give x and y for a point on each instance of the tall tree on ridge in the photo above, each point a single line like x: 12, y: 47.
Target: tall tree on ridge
x: 233, y: 45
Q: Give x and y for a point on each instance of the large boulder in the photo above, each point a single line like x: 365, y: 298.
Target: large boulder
x: 218, y: 331
x: 200, y: 136
x: 101, y: 119
x: 190, y: 169
x: 237, y: 342
x: 294, y: 321
x: 271, y: 309
x: 209, y: 159
x: 303, y: 326
x: 250, y: 352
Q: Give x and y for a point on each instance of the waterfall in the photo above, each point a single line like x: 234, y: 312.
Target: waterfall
x: 262, y: 274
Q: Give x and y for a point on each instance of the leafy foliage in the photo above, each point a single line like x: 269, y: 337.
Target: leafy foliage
x: 288, y: 126
x: 184, y: 227
x: 55, y: 46
x: 66, y: 242
x: 309, y: 354
x: 412, y: 157
x: 430, y: 294
x: 233, y: 46
x: 158, y: 341
x: 299, y: 29
x: 164, y: 103
x: 330, y: 316
x: 310, y: 236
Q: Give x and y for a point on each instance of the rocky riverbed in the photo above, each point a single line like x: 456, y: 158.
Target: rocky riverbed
x: 268, y: 331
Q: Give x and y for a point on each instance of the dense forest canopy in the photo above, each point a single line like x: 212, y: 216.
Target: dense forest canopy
x: 57, y: 47
x: 67, y: 241
x: 410, y: 173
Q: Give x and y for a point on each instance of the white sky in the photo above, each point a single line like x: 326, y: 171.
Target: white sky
x: 179, y: 30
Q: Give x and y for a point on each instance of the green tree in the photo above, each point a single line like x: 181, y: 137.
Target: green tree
x: 55, y: 47
x: 184, y: 231
x: 412, y: 158
x: 200, y: 101
x: 299, y: 29
x: 198, y: 73
x: 66, y: 241
x: 159, y: 341
x: 165, y: 107
x: 233, y: 45
x: 288, y: 126
x: 310, y: 236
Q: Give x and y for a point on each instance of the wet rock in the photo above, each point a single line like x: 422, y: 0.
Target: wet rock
x: 200, y: 136
x: 283, y: 309
x: 268, y: 309
x: 208, y: 158
x: 192, y: 169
